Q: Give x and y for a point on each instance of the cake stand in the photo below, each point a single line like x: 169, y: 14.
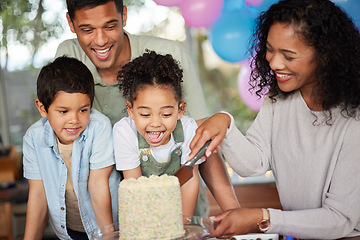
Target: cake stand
x: 196, y: 228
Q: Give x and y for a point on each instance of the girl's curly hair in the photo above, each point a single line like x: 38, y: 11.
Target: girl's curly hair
x: 150, y: 69
x: 333, y: 35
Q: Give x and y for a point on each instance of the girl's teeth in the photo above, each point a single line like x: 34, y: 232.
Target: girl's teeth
x: 155, y: 135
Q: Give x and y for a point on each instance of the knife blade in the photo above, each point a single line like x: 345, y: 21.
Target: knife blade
x: 186, y: 171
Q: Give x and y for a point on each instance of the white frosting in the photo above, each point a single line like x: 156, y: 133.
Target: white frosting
x: 150, y: 208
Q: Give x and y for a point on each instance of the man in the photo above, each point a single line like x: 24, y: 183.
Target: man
x: 105, y: 47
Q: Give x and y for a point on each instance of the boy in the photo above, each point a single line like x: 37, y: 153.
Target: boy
x: 68, y: 156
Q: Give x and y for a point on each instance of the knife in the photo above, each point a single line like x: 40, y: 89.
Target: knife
x: 186, y: 171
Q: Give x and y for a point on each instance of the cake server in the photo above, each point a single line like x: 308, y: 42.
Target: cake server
x: 186, y: 171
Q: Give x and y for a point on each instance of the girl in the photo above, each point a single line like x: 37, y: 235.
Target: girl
x: 307, y: 131
x: 154, y: 139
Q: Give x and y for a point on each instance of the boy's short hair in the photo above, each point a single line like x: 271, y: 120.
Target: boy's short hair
x: 64, y: 74
x: 73, y: 5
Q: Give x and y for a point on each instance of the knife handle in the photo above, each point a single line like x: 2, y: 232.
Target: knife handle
x: 198, y: 155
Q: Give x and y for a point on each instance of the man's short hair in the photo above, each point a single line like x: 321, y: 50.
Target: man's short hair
x: 73, y: 5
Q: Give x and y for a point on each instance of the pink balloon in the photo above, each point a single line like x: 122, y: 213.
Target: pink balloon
x: 200, y: 13
x: 248, y: 95
x: 167, y: 3
x: 254, y: 3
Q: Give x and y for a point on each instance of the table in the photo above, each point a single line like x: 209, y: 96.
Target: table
x: 349, y: 238
x: 8, y: 196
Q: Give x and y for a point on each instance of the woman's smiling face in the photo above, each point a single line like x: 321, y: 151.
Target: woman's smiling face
x: 293, y: 62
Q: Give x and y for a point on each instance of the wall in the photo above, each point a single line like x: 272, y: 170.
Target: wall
x: 253, y: 195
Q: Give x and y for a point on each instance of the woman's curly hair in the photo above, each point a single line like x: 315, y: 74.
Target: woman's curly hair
x: 336, y: 40
x: 150, y: 69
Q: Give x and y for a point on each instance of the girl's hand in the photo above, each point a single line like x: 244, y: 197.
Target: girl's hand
x: 213, y: 128
x: 236, y: 222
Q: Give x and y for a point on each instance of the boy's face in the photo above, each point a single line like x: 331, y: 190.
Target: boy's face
x: 68, y: 115
x: 155, y: 112
x: 100, y: 33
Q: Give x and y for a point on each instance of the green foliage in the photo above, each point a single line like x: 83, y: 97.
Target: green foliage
x: 221, y: 93
x: 220, y: 87
x: 23, y: 22
x: 137, y: 3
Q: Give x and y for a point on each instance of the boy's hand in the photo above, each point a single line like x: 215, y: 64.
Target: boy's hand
x: 100, y: 195
x: 36, y: 211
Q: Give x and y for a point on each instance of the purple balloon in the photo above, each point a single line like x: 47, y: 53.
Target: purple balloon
x: 247, y: 94
x: 200, y: 13
x: 167, y: 3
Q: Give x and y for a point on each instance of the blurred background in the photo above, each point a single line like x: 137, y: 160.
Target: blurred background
x: 216, y: 34
x: 31, y: 30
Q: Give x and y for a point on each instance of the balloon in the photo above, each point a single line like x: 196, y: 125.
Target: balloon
x: 233, y: 5
x: 255, y: 3
x: 168, y: 3
x: 200, y: 13
x: 266, y: 4
x: 230, y: 34
x: 248, y: 95
x: 352, y: 8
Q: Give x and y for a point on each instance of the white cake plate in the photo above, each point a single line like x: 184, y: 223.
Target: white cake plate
x: 196, y: 228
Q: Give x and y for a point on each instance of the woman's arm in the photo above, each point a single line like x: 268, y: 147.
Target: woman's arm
x: 100, y: 195
x: 36, y: 211
x: 189, y: 193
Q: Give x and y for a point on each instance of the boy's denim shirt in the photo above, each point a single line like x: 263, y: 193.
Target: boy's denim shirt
x: 93, y: 149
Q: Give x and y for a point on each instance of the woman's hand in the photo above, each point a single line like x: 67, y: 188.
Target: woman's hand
x: 236, y: 222
x: 213, y: 128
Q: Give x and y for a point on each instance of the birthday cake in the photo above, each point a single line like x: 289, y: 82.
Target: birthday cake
x: 150, y: 208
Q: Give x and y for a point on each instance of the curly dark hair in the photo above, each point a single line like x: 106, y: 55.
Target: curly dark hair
x: 336, y: 40
x: 150, y: 69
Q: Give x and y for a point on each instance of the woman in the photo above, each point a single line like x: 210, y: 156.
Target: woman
x: 307, y: 52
